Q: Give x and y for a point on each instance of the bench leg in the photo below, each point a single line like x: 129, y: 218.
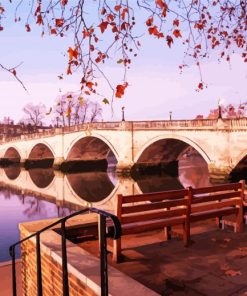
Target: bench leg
x: 239, y: 222
x: 219, y: 221
x: 168, y: 232
x: 116, y: 250
x: 186, y: 233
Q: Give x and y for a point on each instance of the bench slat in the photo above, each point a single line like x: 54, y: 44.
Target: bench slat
x: 151, y: 225
x: 215, y: 197
x: 224, y: 187
x: 212, y: 214
x: 218, y: 205
x: 152, y: 216
x: 156, y: 196
x: 154, y: 206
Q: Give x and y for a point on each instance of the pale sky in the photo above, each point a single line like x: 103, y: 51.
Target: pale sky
x: 156, y: 86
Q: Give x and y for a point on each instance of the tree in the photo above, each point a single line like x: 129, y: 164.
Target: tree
x: 106, y: 30
x: 228, y: 111
x: 71, y: 109
x: 34, y: 114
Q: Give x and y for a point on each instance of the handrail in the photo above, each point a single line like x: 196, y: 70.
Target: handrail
x: 113, y: 232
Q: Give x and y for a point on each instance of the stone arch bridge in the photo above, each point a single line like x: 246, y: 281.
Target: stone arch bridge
x: 221, y: 142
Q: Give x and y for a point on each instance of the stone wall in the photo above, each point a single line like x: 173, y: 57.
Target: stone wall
x: 83, y: 267
x: 51, y: 273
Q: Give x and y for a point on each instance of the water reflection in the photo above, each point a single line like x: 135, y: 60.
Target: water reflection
x: 41, y: 193
x: 91, y: 186
x: 12, y: 172
x: 193, y: 171
x: 42, y: 178
x: 158, y: 183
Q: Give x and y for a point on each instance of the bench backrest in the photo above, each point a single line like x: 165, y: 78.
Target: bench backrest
x: 144, y: 207
x: 218, y: 196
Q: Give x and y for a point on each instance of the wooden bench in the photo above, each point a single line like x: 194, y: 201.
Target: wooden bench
x: 145, y: 212
x: 216, y: 202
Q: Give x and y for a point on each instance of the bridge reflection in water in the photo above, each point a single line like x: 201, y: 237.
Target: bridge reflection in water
x: 45, y: 193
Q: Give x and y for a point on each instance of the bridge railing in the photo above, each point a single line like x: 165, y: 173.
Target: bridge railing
x: 135, y: 125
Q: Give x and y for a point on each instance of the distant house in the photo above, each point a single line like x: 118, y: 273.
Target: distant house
x: 14, y: 130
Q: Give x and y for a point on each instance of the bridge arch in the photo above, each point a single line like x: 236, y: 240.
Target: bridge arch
x: 91, y: 147
x: 41, y: 151
x: 241, y: 156
x: 163, y: 139
x: 13, y: 154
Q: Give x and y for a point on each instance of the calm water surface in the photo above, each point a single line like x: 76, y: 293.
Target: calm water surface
x: 42, y: 193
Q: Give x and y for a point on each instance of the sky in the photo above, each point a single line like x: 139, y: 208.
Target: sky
x: 156, y: 86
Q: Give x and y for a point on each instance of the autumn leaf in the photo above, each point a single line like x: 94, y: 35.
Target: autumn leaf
x: 53, y: 31
x: 117, y: 7
x: 28, y: 29
x: 64, y: 2
x: 231, y: 272
x: 59, y: 22
x: 150, y: 21
x: 1, y: 28
x: 120, y: 61
x: 73, y: 53
x: 103, y: 26
x: 89, y: 84
x: 200, y: 86
x: 49, y: 111
x: 120, y: 88
x: 176, y: 22
x: 68, y: 112
x: 81, y: 101
x: 69, y: 70
x: 39, y: 20
x: 1, y: 10
x: 177, y: 33
x: 160, y: 3
x: 169, y: 40
x: 14, y: 72
x: 105, y: 101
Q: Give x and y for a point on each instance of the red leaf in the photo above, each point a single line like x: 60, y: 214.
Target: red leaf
x: 103, y: 11
x: 117, y: 7
x: 64, y: 2
x: 14, y: 72
x: 150, y: 21
x: 28, y: 29
x: 120, y: 88
x: 169, y: 40
x: 200, y: 85
x: 177, y: 33
x: 59, y: 22
x: 176, y: 22
x: 160, y: 3
x: 39, y: 20
x: 103, y: 26
x: 53, y: 31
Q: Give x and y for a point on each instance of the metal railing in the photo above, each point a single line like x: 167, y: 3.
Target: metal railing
x: 113, y: 231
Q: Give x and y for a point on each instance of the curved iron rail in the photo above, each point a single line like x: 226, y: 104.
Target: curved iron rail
x: 113, y: 232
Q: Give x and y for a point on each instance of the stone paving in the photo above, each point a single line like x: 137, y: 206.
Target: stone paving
x: 6, y: 279
x: 214, y: 264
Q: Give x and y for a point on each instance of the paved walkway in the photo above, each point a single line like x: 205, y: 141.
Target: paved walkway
x: 215, y: 263
x: 6, y: 279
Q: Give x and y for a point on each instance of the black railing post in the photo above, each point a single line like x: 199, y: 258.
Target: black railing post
x: 12, y: 254
x: 38, y: 262
x: 64, y: 260
x: 103, y: 257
